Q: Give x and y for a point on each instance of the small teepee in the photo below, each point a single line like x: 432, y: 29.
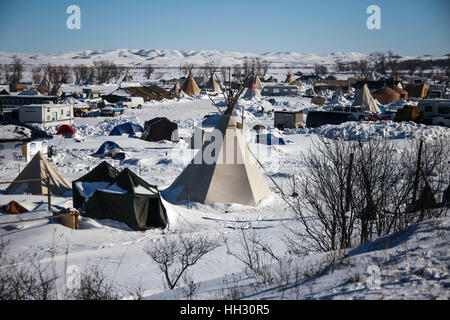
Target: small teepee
x: 224, y: 170
x: 252, y: 91
x: 38, y: 168
x: 213, y: 85
x: 364, y: 99
x: 190, y: 87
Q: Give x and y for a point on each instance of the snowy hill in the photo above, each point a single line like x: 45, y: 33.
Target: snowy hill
x: 173, y: 58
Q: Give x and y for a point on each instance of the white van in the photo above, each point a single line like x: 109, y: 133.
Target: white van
x: 132, y: 102
x: 435, y: 111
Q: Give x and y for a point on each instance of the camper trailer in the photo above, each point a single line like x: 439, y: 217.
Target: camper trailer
x: 435, y: 111
x: 50, y: 114
x: 283, y: 90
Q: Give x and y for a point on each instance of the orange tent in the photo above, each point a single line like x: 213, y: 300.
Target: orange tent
x: 13, y: 208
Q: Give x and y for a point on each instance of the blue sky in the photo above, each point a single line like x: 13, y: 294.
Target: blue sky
x: 408, y: 27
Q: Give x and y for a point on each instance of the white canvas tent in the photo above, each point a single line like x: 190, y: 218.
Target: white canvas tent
x: 229, y: 174
x: 252, y: 92
x: 38, y: 168
x: 364, y: 99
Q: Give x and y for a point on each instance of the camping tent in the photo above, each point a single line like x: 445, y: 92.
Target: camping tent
x: 160, y: 128
x: 13, y: 208
x: 101, y: 176
x: 364, y: 99
x: 128, y: 199
x: 230, y: 175
x: 190, y: 87
x: 288, y: 79
x: 417, y: 90
x: 38, y: 168
x: 265, y: 137
x: 252, y: 91
x: 212, y: 84
x: 110, y: 149
x: 403, y: 93
x: 386, y: 95
x: 129, y: 128
x: 66, y: 130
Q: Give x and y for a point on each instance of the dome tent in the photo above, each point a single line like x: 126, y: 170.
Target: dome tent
x: 66, y: 130
x: 126, y: 128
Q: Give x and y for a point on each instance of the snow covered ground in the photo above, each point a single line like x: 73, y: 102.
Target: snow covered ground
x: 414, y: 266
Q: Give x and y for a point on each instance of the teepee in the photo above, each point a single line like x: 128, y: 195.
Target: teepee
x: 252, y: 91
x: 258, y: 83
x: 190, y: 87
x: 364, y: 99
x: 213, y: 85
x: 224, y: 170
x: 38, y: 168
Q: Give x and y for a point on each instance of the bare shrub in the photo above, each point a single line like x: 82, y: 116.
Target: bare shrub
x: 175, y: 255
x: 93, y: 285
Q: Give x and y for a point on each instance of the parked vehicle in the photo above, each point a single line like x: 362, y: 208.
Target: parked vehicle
x: 319, y: 118
x: 435, y: 111
x: 131, y: 102
x: 358, y: 112
x: 112, y: 110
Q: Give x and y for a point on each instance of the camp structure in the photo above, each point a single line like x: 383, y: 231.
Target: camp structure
x: 386, y: 95
x: 212, y: 86
x: 365, y: 100
x: 123, y: 197
x: 230, y: 176
x: 126, y: 128
x: 288, y: 78
x: 40, y: 171
x: 66, y: 131
x: 319, y: 100
x: 257, y: 82
x: 45, y: 85
x: 160, y: 128
x: 13, y: 207
x: 417, y: 90
x: 99, y: 177
x: 176, y: 89
x: 269, y: 138
x: 189, y: 86
x: 110, y: 149
x: 127, y: 78
x: 252, y: 92
x: 403, y: 93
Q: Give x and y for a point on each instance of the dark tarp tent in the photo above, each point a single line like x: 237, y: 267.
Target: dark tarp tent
x: 128, y: 199
x: 159, y: 129
x: 129, y: 128
x: 104, y: 172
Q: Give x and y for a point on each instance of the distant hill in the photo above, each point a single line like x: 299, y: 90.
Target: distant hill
x: 173, y: 58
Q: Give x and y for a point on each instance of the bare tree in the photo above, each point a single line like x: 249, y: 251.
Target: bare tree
x: 57, y: 75
x: 237, y: 73
x: 265, y: 65
x: 320, y: 69
x: 188, y: 68
x: 176, y: 255
x: 148, y: 71
x: 392, y: 61
x: 104, y: 70
x: 36, y: 74
x: 378, y: 62
x: 13, y: 72
x: 81, y: 73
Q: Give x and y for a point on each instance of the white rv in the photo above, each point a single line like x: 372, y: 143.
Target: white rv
x: 50, y: 114
x: 435, y: 111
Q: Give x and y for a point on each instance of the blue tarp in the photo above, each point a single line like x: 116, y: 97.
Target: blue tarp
x: 270, y: 140
x: 129, y: 128
x: 105, y: 148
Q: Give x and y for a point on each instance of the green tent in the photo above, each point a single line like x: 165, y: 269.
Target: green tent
x: 104, y: 172
x: 128, y: 199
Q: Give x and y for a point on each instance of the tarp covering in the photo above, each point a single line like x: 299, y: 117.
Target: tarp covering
x: 106, y: 147
x: 65, y: 129
x: 128, y: 199
x: 160, y: 128
x: 126, y: 128
x: 36, y: 133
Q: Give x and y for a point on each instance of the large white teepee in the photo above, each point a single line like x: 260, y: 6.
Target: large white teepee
x: 223, y: 171
x: 38, y: 168
x: 364, y: 99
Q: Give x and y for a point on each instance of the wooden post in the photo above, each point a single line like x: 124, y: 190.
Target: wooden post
x: 49, y: 195
x: 187, y: 192
x: 416, y: 178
